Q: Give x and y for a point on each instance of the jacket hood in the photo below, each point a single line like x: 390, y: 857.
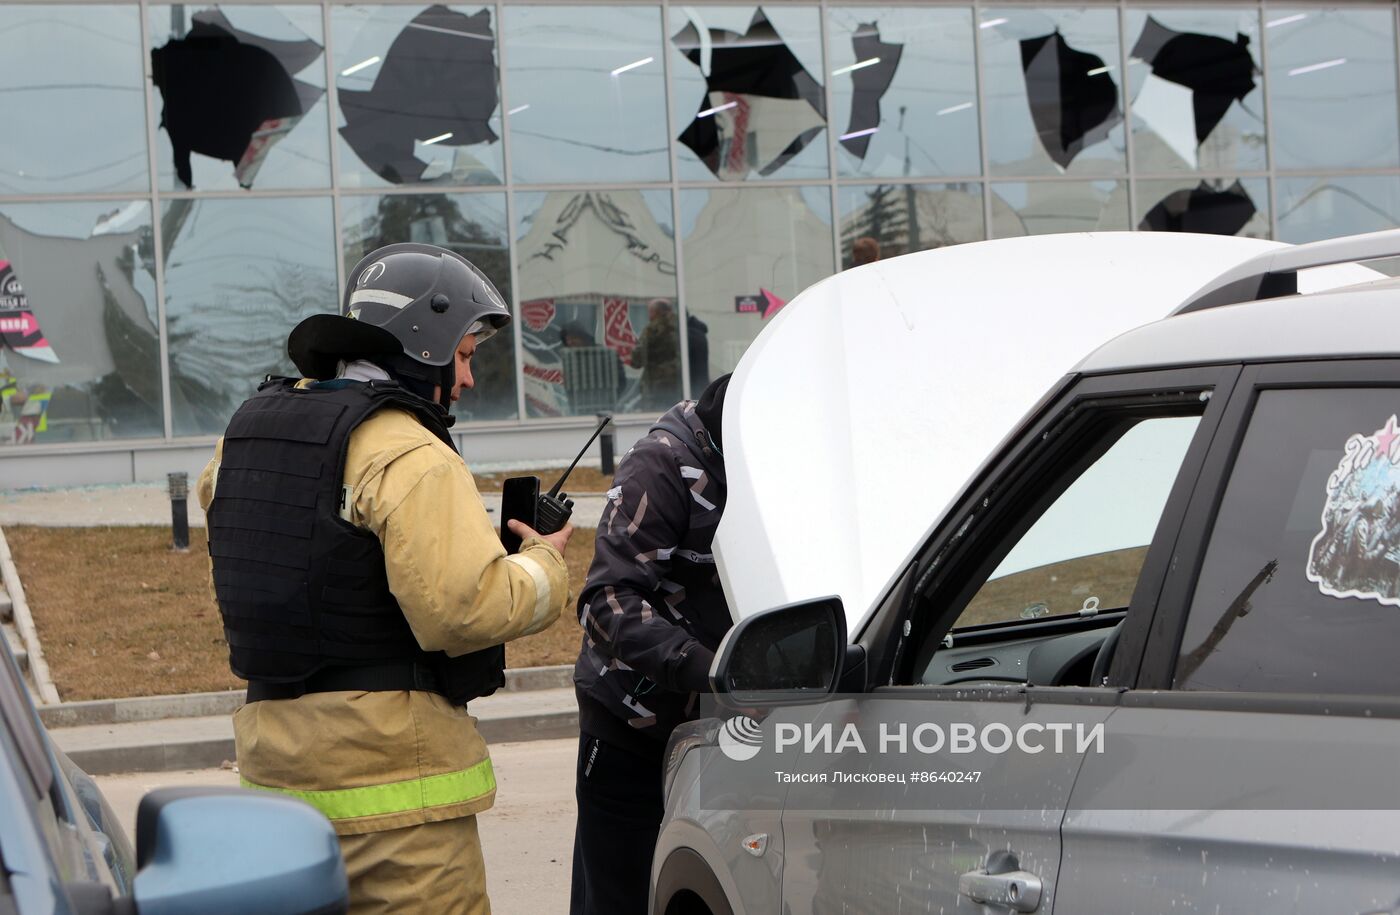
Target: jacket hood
x: 683, y: 422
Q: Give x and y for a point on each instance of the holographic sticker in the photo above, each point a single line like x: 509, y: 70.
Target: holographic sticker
x: 1357, y: 552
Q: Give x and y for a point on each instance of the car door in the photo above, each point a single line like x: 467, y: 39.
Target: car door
x: 1255, y: 767
x: 998, y: 627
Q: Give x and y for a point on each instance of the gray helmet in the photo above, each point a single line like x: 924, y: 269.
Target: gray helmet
x: 406, y: 307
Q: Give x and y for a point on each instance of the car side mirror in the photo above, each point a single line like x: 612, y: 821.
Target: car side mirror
x: 233, y: 850
x: 786, y: 655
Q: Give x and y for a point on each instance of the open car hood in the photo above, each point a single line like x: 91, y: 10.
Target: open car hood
x: 860, y: 412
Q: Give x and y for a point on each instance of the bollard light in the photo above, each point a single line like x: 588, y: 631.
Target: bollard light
x: 605, y: 445
x: 179, y: 484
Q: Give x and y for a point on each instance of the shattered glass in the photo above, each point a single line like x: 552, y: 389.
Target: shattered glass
x: 1311, y: 209
x: 419, y: 95
x: 904, y: 91
x: 748, y: 97
x: 240, y: 97
x: 1213, y: 206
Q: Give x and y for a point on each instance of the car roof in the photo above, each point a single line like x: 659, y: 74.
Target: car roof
x: 1349, y: 322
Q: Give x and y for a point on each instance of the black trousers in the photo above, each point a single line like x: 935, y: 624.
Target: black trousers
x: 619, y: 816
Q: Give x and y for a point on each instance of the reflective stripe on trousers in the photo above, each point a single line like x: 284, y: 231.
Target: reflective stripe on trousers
x: 395, y: 797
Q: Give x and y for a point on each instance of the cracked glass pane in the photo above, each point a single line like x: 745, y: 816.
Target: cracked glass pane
x: 886, y: 220
x: 1051, y: 87
x: 239, y: 275
x: 587, y: 101
x: 79, y: 334
x: 240, y: 97
x: 74, y: 115
x: 419, y: 95
x: 904, y: 91
x: 473, y: 225
x: 1213, y: 206
x: 1311, y: 209
x: 747, y: 97
x: 598, y: 318
x: 1044, y: 207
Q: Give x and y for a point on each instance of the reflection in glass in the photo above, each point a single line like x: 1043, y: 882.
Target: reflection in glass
x: 74, y: 115
x: 418, y: 95
x: 748, y: 251
x: 914, y: 110
x: 1196, y: 90
x: 473, y: 225
x: 886, y: 220
x: 241, y: 96
x: 1311, y: 209
x: 1045, y: 207
x: 1051, y: 89
x: 79, y: 337
x: 1214, y: 206
x: 597, y: 302
x: 239, y: 275
x: 1332, y: 87
x: 587, y: 98
x: 748, y: 92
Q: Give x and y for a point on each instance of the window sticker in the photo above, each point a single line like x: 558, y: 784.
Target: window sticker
x: 1357, y: 552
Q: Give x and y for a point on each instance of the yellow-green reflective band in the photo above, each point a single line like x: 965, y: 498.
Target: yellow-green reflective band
x: 396, y: 797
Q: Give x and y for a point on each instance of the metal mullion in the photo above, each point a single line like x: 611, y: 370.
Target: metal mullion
x: 1270, y: 165
x: 978, y: 74
x: 682, y: 305
x: 508, y: 175
x: 836, y: 231
x: 157, y: 235
x: 250, y: 193
x: 1130, y: 163
x: 408, y: 190
x: 333, y: 105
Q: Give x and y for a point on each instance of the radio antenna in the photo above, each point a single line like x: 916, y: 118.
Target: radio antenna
x: 559, y: 484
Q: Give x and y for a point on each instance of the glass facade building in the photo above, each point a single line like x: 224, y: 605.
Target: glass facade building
x: 647, y: 184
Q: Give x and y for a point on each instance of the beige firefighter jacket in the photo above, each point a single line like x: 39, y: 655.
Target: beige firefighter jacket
x: 373, y: 761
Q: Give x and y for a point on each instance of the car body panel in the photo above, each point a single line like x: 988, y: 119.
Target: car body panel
x: 860, y: 411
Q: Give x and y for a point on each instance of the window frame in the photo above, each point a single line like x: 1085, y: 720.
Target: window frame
x: 1163, y: 645
x: 1022, y: 454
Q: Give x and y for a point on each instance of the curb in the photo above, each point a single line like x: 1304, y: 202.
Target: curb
x: 200, y: 705
x: 24, y: 622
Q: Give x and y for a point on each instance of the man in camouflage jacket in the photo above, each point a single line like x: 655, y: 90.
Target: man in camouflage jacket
x: 653, y: 614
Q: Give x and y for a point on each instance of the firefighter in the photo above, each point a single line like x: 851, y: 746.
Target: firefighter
x: 364, y: 593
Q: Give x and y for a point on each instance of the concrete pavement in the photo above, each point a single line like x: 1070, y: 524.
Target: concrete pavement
x: 527, y: 837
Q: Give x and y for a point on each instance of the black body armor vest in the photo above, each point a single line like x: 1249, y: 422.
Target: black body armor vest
x: 304, y: 594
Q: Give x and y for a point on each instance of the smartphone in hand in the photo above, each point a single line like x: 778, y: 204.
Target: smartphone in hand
x: 519, y: 498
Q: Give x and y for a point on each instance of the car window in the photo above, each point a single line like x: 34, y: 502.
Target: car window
x: 1086, y: 550
x: 1299, y: 590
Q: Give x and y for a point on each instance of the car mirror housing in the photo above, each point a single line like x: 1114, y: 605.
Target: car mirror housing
x: 786, y: 655
x: 231, y: 850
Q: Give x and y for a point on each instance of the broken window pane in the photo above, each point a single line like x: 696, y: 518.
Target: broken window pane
x: 747, y: 92
x: 904, y: 91
x: 473, y: 225
x: 1050, y: 84
x: 239, y: 275
x: 1043, y: 207
x: 586, y: 99
x: 1332, y: 87
x: 1195, y: 89
x: 1311, y: 209
x: 598, y: 316
x: 886, y: 220
x: 748, y: 251
x: 74, y: 115
x: 240, y: 97
x: 1213, y: 206
x: 419, y: 95
x: 79, y: 335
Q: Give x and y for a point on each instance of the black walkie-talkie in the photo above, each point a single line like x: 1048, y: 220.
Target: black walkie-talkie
x: 554, y: 508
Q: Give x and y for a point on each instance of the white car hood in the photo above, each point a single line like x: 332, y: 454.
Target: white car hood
x: 862, y: 409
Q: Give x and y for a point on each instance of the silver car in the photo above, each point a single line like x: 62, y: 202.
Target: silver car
x: 1137, y: 655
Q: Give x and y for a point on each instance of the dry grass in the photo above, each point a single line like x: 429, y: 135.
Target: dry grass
x: 583, y: 479
x: 120, y: 614
x: 1061, y: 586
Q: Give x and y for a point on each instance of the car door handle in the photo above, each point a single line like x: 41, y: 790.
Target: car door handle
x: 1018, y: 891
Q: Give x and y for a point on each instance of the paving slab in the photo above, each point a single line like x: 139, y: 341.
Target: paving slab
x: 169, y: 744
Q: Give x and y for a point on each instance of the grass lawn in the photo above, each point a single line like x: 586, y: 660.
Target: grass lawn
x: 120, y: 614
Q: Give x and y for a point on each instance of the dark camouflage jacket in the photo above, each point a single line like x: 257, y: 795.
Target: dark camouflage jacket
x: 652, y: 609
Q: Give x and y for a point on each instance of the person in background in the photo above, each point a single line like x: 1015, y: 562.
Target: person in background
x: 657, y: 354
x: 364, y: 592
x: 864, y: 250
x: 697, y: 343
x: 653, y: 614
